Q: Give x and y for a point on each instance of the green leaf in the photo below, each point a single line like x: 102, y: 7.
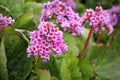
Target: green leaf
x: 24, y: 34
x: 26, y: 22
x: 29, y: 0
x: 106, y: 60
x: 32, y: 7
x: 35, y: 8
x: 40, y: 74
x: 19, y: 66
x: 80, y: 7
x: 64, y: 71
x: 53, y: 66
x: 53, y: 78
x: 3, y: 62
x: 42, y: 1
x: 117, y: 40
x: 80, y: 43
x: 5, y: 11
x: 84, y: 36
x: 72, y: 63
x: 15, y: 6
x: 86, y: 68
x: 91, y: 3
x: 72, y: 44
x: 45, y: 75
x: 101, y: 78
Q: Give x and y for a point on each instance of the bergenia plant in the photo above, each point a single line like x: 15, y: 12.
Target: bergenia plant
x: 59, y: 40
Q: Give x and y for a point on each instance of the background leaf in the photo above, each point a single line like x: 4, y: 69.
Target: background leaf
x: 106, y: 60
x: 35, y: 8
x: 26, y: 22
x: 3, y: 62
x: 72, y: 44
x: 45, y: 75
x: 19, y: 66
x: 15, y: 6
x: 5, y: 11
x: 72, y: 63
x: 86, y: 68
x: 65, y: 73
x: 53, y: 65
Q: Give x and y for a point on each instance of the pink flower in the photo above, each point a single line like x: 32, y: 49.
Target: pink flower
x: 4, y: 21
x: 70, y: 3
x: 114, y: 14
x: 64, y: 15
x: 99, y: 19
x: 45, y: 41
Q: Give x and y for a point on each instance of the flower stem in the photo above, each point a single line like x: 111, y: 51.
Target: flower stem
x: 36, y: 66
x: 38, y: 61
x: 114, y: 33
x: 22, y: 35
x: 86, y: 44
x: 98, y: 39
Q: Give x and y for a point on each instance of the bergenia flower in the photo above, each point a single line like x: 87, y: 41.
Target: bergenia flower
x: 45, y: 41
x: 70, y: 3
x: 64, y: 15
x: 4, y: 21
x: 99, y: 19
x: 114, y: 14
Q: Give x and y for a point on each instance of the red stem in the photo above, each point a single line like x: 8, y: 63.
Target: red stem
x: 114, y: 34
x: 86, y: 44
x: 98, y: 39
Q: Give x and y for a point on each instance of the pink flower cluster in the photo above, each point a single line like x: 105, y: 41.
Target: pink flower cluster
x: 114, y: 15
x: 70, y: 3
x: 99, y: 19
x: 64, y: 15
x: 4, y: 21
x: 45, y: 41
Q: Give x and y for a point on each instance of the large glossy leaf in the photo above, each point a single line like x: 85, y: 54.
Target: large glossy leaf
x: 101, y: 78
x: 84, y: 36
x: 40, y: 74
x: 45, y: 75
x: 19, y: 66
x: 72, y: 44
x: 64, y: 71
x: 81, y: 40
x: 53, y: 78
x: 5, y: 11
x: 80, y: 43
x: 72, y: 63
x: 3, y: 62
x: 29, y: 0
x: 86, y: 68
x: 26, y: 22
x: 15, y: 6
x: 116, y: 41
x: 69, y: 68
x: 53, y: 65
x: 32, y: 7
x: 106, y: 60
x: 35, y: 8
